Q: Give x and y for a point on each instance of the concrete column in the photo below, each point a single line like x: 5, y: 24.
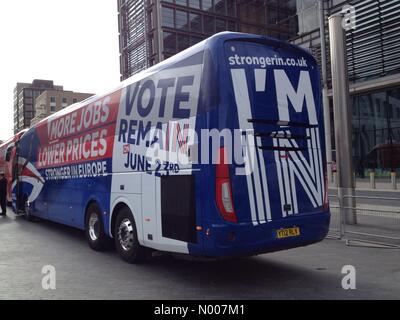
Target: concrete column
x: 342, y: 114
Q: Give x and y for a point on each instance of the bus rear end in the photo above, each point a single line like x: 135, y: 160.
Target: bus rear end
x: 270, y: 182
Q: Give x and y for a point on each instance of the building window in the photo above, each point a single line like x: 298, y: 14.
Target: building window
x: 375, y: 133
x: 194, y: 40
x: 29, y: 114
x: 28, y: 100
x: 207, y: 5
x: 64, y: 102
x: 169, y: 42
x: 181, y: 2
x: 53, y: 104
x: 307, y: 16
x: 209, y: 26
x: 220, y: 6
x: 194, y: 4
x: 231, y: 26
x: 74, y: 100
x: 220, y: 25
x: 195, y: 23
x: 183, y: 42
x: 168, y: 17
x: 231, y: 8
x: 181, y: 20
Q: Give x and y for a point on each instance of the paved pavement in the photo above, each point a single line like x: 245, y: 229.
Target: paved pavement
x: 311, y: 272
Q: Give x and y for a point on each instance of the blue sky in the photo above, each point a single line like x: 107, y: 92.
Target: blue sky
x: 73, y: 42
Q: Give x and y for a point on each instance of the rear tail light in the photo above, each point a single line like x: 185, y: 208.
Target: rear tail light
x: 223, y: 185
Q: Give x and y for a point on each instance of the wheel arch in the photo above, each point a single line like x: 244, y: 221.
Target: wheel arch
x: 118, y: 204
x: 92, y: 200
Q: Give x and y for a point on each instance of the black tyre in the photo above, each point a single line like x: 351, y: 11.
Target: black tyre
x: 94, y: 229
x: 126, y: 238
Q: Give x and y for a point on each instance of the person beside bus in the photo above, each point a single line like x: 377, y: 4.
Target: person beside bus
x: 3, y: 194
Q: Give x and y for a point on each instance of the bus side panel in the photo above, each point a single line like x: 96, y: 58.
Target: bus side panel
x: 66, y: 162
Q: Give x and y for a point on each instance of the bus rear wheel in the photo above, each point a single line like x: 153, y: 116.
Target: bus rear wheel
x: 126, y: 238
x: 94, y: 229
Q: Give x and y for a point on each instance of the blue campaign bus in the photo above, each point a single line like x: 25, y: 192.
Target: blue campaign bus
x: 215, y: 152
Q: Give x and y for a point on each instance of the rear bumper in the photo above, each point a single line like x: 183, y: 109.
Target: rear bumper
x: 247, y: 239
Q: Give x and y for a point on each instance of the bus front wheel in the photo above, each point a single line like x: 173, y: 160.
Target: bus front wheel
x: 126, y: 238
x: 94, y: 229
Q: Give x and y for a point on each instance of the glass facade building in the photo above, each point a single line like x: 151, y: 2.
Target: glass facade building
x: 153, y: 30
x: 373, y: 54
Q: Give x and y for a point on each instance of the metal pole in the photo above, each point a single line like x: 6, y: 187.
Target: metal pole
x: 325, y: 100
x: 342, y: 115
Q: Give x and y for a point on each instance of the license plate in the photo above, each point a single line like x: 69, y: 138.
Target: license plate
x: 288, y: 233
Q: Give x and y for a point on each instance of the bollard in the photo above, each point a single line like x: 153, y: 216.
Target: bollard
x: 394, y: 180
x: 372, y: 183
x: 335, y: 179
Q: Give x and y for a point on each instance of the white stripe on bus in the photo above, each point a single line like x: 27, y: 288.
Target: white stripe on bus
x: 265, y: 183
x: 244, y: 113
x: 260, y: 77
x: 288, y: 191
x: 320, y: 165
x: 280, y: 179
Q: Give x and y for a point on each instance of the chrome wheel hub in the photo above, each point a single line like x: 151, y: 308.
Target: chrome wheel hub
x: 94, y: 227
x: 125, y: 234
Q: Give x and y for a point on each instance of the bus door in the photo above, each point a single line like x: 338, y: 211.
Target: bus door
x: 169, y: 211
x: 176, y: 211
